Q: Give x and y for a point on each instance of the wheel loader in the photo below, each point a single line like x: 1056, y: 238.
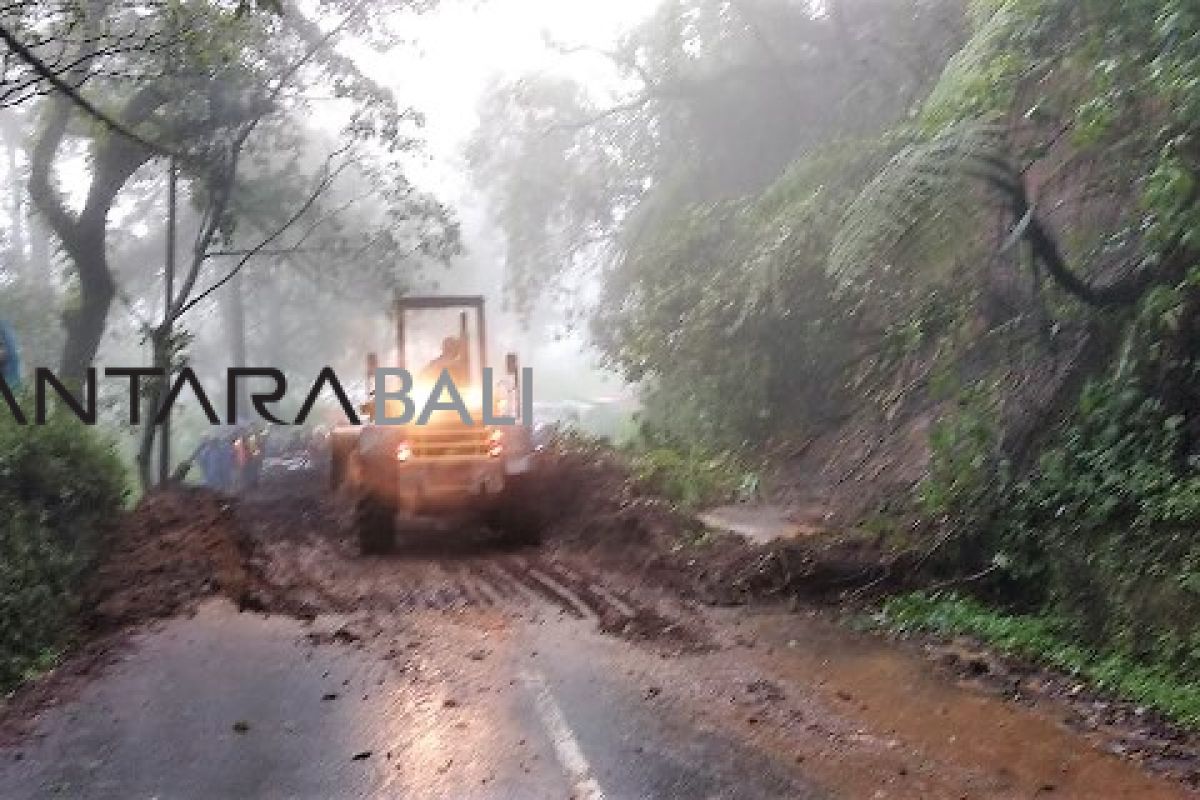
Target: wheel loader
x: 412, y: 476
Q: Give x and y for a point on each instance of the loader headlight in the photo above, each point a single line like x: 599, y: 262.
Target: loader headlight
x: 404, y: 452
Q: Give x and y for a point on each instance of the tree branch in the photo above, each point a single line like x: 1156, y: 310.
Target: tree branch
x: 70, y: 92
x: 1046, y: 250
x: 320, y: 188
x: 223, y: 185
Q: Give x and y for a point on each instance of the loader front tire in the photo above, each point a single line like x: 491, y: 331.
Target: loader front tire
x: 517, y: 513
x: 375, y: 524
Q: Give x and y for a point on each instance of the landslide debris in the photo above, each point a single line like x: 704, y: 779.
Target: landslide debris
x: 182, y: 545
x: 177, y: 547
x: 593, y: 505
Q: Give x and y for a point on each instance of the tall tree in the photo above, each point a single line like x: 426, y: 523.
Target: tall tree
x: 225, y: 82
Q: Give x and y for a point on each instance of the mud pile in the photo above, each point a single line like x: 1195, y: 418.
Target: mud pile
x: 588, y: 498
x: 176, y: 548
x: 287, y: 548
x: 825, y: 568
x: 591, y: 504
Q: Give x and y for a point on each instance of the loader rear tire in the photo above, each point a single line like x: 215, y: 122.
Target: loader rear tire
x: 375, y: 524
x: 339, y: 458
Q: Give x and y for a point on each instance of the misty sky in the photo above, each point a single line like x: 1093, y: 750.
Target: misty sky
x: 458, y: 48
x: 454, y: 53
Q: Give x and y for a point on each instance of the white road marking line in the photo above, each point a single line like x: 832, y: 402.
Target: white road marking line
x: 566, y: 746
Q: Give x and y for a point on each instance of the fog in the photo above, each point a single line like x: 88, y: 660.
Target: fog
x: 300, y: 311
x: 456, y: 53
x: 622, y: 181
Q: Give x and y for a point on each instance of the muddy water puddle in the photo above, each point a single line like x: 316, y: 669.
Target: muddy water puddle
x: 929, y: 735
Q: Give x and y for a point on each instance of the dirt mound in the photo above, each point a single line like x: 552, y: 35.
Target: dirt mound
x: 821, y: 568
x: 589, y: 501
x: 592, y: 504
x: 587, y: 492
x: 269, y: 549
x: 175, y: 548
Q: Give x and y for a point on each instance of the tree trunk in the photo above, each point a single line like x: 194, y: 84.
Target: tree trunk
x: 16, y: 245
x: 160, y: 357
x: 84, y: 236
x: 168, y: 324
x: 85, y: 323
x: 235, y: 324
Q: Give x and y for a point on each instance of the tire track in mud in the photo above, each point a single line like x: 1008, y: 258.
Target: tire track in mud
x: 310, y: 566
x: 309, y: 562
x: 397, y: 583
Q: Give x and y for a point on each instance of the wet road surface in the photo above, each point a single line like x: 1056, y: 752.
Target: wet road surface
x: 535, y: 702
x: 241, y: 705
x: 455, y: 670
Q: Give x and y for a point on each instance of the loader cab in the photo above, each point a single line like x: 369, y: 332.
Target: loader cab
x: 447, y: 333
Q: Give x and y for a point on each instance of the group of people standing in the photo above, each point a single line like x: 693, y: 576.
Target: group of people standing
x: 232, y: 461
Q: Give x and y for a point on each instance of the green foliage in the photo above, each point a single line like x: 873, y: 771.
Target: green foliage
x: 686, y: 475
x: 984, y: 77
x: 1099, y: 531
x: 966, y: 463
x: 693, y: 478
x: 1050, y: 640
x: 755, y: 338
x: 1099, y: 534
x: 903, y: 234
x: 1105, y: 526
x: 932, y: 320
x: 1115, y: 80
x: 1122, y: 462
x: 60, y: 485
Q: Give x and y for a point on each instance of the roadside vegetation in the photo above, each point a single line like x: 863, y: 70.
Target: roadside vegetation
x: 1091, y: 521
x: 980, y: 238
x: 693, y: 478
x: 687, y: 475
x: 1051, y: 641
x: 61, y: 488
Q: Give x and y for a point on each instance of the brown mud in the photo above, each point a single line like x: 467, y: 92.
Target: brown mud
x: 596, y: 509
x: 174, y: 549
x: 615, y: 557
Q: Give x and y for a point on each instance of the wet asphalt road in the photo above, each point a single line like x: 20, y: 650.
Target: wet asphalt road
x: 239, y: 705
x: 531, y: 675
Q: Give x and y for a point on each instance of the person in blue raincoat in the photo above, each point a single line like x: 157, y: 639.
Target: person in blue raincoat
x: 207, y: 456
x: 216, y: 460
x: 10, y: 359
